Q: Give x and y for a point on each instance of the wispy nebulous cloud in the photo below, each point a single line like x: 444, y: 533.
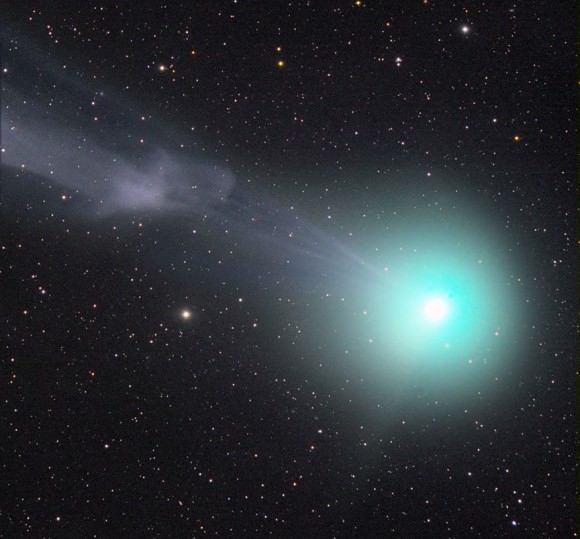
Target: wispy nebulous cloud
x: 97, y: 149
x: 111, y: 182
x: 110, y: 156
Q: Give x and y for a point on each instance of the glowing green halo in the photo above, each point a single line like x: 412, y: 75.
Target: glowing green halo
x: 444, y: 316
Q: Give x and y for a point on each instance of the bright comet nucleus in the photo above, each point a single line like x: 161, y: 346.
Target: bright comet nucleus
x: 436, y: 309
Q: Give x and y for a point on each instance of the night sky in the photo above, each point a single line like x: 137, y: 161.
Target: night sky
x: 288, y: 269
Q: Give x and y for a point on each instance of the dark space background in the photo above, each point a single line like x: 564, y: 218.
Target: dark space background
x: 122, y: 417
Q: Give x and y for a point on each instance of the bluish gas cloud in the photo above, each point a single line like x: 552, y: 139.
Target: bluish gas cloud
x: 64, y: 152
x: 440, y: 309
x: 118, y: 165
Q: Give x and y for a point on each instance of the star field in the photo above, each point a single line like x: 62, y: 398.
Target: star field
x: 283, y: 269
